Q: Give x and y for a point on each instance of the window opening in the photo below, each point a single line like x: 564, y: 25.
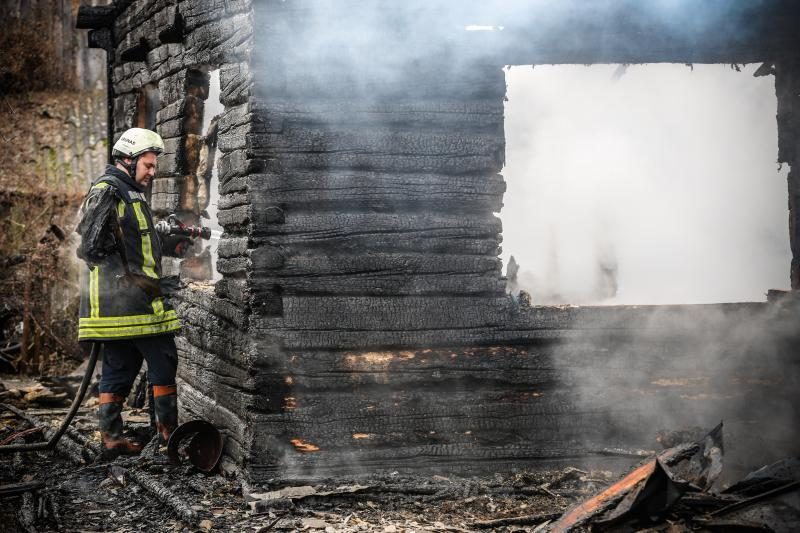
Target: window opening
x: 200, y: 185
x: 208, y: 195
x: 639, y: 184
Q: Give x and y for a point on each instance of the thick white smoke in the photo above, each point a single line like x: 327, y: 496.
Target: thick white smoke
x: 644, y: 184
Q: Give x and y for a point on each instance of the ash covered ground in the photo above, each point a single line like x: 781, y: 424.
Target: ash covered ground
x: 99, y: 495
x: 80, y: 488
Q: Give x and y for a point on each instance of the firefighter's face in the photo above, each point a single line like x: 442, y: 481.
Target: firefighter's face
x: 146, y: 168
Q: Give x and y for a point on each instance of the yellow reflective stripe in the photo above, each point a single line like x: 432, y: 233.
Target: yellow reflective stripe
x: 148, y: 262
x: 158, y: 306
x: 134, y: 320
x: 101, y: 185
x: 120, y: 209
x: 137, y: 208
x: 94, y: 292
x: 132, y: 331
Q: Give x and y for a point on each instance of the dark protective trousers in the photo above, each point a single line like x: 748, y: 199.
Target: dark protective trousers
x: 122, y: 361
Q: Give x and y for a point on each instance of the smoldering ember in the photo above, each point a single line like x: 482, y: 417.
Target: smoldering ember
x: 352, y: 354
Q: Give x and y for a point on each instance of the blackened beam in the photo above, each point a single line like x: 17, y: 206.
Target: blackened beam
x: 95, y: 17
x: 625, y: 32
x: 566, y: 32
x: 102, y: 38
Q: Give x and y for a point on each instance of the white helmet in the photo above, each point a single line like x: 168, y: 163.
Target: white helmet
x: 137, y: 141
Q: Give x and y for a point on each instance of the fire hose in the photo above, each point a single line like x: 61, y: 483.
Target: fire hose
x: 73, y: 410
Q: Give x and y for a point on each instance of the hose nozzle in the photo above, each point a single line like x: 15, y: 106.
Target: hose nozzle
x: 173, y: 226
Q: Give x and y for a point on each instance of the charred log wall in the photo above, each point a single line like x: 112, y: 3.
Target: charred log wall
x: 361, y: 322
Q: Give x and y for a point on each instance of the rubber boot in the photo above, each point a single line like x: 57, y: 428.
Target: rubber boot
x: 165, y: 401
x: 110, y: 422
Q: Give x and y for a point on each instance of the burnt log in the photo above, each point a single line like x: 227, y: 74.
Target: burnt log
x: 95, y: 17
x: 278, y: 116
x: 373, y: 191
x: 377, y: 273
x: 387, y: 231
x: 381, y: 151
x: 392, y: 314
x: 162, y: 494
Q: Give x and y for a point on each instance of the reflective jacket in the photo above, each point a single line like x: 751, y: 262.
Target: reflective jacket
x: 110, y: 310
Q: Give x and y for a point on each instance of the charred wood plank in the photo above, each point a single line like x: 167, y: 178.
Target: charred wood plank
x: 359, y: 283
x: 15, y: 489
x: 309, y: 339
x: 231, y: 388
x: 162, y: 494
x: 275, y: 116
x: 314, y: 228
x: 409, y: 431
x: 392, y: 314
x: 453, y: 153
x: 466, y: 459
x: 500, y: 367
x: 453, y: 239
x: 204, y: 13
x: 453, y: 164
x: 348, y: 191
x: 376, y: 273
x: 95, y: 17
x: 270, y: 261
x: 300, y: 77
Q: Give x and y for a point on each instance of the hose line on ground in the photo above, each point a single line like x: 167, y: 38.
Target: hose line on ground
x: 73, y: 410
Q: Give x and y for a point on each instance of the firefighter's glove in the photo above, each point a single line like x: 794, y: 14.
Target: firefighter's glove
x: 176, y: 245
x: 170, y: 285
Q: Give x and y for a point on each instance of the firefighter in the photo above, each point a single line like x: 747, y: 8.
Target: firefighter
x: 122, y: 304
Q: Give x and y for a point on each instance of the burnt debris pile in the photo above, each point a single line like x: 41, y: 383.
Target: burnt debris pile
x: 679, y: 489
x: 672, y: 492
